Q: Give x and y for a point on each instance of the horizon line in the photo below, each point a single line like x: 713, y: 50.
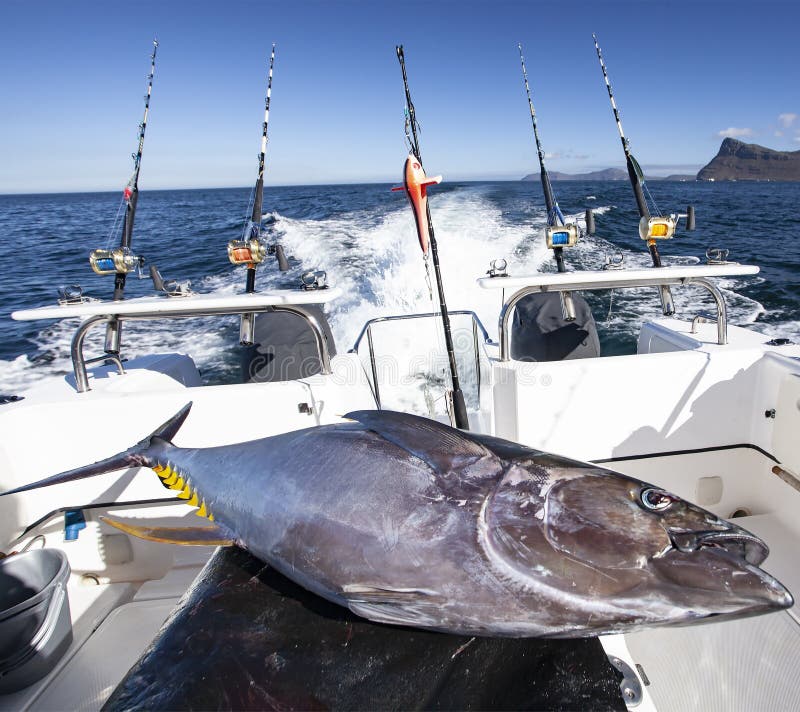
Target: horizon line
x: 304, y: 185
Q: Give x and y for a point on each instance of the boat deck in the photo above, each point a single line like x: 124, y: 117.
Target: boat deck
x: 112, y: 624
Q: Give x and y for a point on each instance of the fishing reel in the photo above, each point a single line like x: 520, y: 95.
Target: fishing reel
x: 247, y: 252
x: 658, y: 228
x: 663, y: 228
x: 120, y: 260
x: 561, y: 235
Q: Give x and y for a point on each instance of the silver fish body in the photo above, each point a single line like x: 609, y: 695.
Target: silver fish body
x: 407, y: 521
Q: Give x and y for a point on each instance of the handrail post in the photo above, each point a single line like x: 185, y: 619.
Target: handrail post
x: 476, y: 351
x: 372, y: 363
x: 722, y: 310
x: 76, y: 351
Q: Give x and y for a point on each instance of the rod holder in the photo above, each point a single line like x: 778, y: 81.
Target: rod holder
x: 113, y: 336
x: 590, y: 226
x: 247, y: 329
x: 283, y: 263
x: 567, y: 306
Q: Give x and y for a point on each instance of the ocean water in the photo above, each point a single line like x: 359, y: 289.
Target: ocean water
x: 364, y: 237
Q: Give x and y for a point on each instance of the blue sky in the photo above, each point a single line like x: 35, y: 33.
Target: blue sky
x: 684, y: 74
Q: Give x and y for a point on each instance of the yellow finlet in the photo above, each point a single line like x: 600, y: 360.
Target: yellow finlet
x: 194, y: 501
x: 186, y: 492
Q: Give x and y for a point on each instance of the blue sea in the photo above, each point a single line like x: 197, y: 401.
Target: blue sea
x: 363, y: 237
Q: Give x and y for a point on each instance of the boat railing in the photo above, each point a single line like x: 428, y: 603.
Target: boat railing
x: 97, y: 312
x: 478, y: 335
x: 521, y: 287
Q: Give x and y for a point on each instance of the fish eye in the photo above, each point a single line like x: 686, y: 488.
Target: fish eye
x: 656, y: 500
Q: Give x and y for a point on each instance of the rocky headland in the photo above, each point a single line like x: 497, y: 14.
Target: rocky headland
x: 748, y: 161
x: 735, y: 160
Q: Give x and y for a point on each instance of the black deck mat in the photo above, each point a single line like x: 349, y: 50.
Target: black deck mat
x: 246, y: 638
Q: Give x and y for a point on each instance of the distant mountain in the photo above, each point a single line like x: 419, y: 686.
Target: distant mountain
x: 679, y: 177
x: 748, y: 161
x: 607, y: 174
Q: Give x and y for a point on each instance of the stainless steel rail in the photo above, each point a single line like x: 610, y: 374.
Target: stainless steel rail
x: 79, y: 362
x: 513, y: 300
x: 477, y: 327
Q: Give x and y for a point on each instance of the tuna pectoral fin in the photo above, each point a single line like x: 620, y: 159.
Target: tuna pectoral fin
x: 186, y: 536
x: 397, y: 606
x: 380, y: 594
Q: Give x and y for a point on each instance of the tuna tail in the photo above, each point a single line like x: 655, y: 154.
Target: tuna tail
x: 140, y: 455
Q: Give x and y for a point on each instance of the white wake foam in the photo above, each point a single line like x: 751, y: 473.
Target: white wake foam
x: 380, y: 267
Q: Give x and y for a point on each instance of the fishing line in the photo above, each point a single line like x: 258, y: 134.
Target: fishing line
x: 246, y: 226
x: 428, y: 282
x: 115, y: 223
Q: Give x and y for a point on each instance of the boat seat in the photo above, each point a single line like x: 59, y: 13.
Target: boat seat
x: 284, y: 347
x: 539, y: 331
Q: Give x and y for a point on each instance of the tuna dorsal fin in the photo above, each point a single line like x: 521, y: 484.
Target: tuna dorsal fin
x: 186, y: 536
x: 136, y: 456
x: 506, y: 449
x: 441, y: 446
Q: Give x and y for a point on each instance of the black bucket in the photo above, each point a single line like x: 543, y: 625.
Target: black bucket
x: 35, y: 625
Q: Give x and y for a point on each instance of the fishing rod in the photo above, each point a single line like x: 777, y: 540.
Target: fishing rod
x: 251, y: 251
x: 651, y: 228
x: 558, y: 233
x: 425, y: 232
x: 554, y: 214
x: 121, y: 260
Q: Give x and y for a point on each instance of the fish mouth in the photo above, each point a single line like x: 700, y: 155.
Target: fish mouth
x: 739, y: 543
